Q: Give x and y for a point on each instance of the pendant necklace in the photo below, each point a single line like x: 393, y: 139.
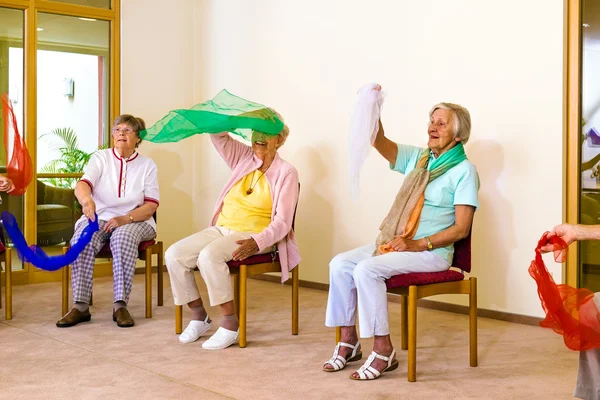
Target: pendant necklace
x: 251, y: 188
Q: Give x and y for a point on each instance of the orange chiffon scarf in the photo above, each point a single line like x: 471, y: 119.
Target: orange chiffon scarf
x: 18, y: 166
x: 570, y: 312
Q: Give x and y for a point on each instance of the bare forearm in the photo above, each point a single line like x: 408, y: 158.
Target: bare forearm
x: 446, y: 237
x: 83, y: 192
x: 143, y: 212
x: 588, y: 232
x: 387, y: 148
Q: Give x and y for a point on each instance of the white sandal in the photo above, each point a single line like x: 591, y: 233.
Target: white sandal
x: 368, y: 373
x: 338, y: 362
x: 194, y: 330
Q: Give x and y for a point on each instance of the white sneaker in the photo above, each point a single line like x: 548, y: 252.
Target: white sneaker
x: 222, y: 339
x: 194, y: 330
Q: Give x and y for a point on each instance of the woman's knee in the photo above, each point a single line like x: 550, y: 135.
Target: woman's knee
x: 364, y: 270
x: 340, y: 265
x: 123, y: 236
x: 171, y: 254
x: 211, y: 254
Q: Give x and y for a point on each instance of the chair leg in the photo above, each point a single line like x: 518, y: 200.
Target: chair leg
x: 65, y: 286
x: 8, y: 285
x: 148, y: 283
x: 159, y: 275
x: 178, y: 319
x: 236, y: 294
x: 473, y: 322
x: 403, y: 322
x: 412, y: 334
x: 243, y: 282
x: 338, y: 334
x: 295, y: 284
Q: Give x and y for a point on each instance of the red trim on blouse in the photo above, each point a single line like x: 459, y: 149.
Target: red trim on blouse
x: 151, y: 200
x: 88, y: 183
x: 131, y: 158
x: 120, y: 178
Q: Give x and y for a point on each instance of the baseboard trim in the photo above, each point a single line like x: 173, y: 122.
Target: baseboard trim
x: 431, y: 304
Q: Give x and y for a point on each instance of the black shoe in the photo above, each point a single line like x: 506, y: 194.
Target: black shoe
x: 122, y: 318
x: 74, y: 317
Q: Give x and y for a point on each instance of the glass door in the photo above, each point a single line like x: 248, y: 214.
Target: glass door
x: 72, y: 117
x: 589, y: 167
x: 59, y: 63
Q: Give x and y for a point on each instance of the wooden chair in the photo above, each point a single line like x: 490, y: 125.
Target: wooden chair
x: 412, y: 287
x: 145, y: 251
x: 241, y: 270
x: 5, y: 256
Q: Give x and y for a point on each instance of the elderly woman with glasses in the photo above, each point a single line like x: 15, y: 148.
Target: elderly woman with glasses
x: 433, y: 209
x: 253, y: 214
x: 120, y: 186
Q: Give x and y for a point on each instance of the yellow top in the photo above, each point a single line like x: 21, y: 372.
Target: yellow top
x: 245, y: 212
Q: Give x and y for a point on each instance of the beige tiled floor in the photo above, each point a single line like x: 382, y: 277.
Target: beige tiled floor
x: 98, y: 360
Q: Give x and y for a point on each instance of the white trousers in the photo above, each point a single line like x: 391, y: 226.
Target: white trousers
x: 356, y: 273
x: 209, y: 250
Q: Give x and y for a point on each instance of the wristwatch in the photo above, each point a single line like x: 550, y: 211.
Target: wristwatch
x: 130, y: 217
x: 429, y: 244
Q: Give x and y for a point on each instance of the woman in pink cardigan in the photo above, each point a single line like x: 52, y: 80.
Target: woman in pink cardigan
x: 253, y: 215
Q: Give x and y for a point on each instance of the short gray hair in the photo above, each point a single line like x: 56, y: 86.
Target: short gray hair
x: 462, y: 120
x: 135, y: 123
x: 285, y: 132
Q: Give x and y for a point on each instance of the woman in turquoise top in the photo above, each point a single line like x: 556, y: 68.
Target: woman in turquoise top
x: 433, y: 209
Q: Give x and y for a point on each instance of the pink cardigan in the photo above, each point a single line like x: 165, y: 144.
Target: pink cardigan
x: 283, y: 179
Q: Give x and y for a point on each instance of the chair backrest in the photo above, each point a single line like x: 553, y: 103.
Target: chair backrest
x: 462, y: 254
x: 296, y: 208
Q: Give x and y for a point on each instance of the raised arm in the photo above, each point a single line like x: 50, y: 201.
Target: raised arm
x: 387, y: 148
x: 230, y: 149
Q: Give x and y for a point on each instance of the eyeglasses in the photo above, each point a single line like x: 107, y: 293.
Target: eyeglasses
x: 125, y: 131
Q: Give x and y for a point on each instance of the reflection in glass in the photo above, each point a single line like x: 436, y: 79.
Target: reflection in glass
x: 89, y: 3
x: 589, y: 257
x: 11, y: 81
x: 72, y: 118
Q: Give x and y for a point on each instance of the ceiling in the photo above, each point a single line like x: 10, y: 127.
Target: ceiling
x: 58, y: 29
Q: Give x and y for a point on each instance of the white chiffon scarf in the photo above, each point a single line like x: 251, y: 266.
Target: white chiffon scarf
x: 363, y: 130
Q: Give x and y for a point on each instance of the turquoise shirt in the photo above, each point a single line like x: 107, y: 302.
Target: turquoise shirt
x: 458, y: 186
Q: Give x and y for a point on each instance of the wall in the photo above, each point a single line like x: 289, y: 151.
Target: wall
x: 502, y: 60
x: 157, y: 74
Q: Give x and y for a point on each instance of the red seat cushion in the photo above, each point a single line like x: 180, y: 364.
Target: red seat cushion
x: 106, y: 253
x: 423, y: 278
x: 256, y: 259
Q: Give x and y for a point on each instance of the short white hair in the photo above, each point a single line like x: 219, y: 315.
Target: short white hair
x: 285, y: 132
x: 462, y: 120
